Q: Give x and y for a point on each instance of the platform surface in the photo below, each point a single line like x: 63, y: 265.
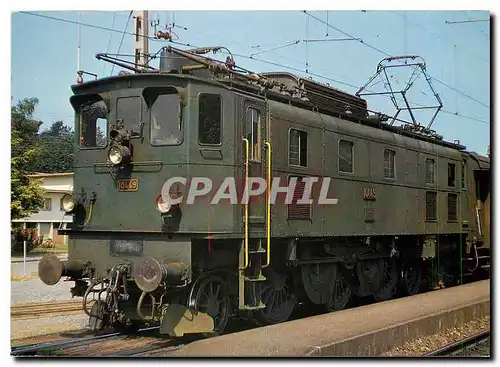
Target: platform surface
x: 295, y: 338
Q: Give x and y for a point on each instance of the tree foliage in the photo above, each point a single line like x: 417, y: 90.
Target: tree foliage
x: 26, y: 194
x: 56, y: 149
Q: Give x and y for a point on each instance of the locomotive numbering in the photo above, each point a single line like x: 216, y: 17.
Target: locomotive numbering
x: 369, y: 193
x: 127, y: 185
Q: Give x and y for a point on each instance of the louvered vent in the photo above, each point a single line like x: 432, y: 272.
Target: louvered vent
x: 430, y: 205
x: 299, y: 211
x: 452, y: 207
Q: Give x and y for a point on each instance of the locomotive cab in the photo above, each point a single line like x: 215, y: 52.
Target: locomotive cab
x: 134, y: 133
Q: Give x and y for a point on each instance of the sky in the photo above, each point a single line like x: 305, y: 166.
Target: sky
x: 457, y: 55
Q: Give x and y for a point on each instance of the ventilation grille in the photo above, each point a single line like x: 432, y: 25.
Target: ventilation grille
x: 430, y: 205
x: 452, y: 207
x: 299, y: 211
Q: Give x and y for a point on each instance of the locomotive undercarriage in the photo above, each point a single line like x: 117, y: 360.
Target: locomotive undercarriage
x: 314, y: 272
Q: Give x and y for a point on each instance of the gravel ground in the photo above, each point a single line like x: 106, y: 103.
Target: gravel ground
x: 17, y: 269
x: 26, y: 287
x: 429, y: 343
x: 23, y: 291
x: 33, y: 327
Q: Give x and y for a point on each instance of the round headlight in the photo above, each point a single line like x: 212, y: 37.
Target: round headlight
x: 115, y: 155
x: 68, y: 203
x: 163, y: 205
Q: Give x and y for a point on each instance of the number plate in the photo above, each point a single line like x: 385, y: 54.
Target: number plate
x: 126, y: 247
x: 369, y: 193
x: 128, y: 185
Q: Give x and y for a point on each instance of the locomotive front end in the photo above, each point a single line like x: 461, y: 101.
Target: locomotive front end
x: 129, y: 253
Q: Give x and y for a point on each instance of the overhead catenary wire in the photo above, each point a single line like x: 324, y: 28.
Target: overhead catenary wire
x: 270, y: 62
x: 467, y: 21
x: 101, y: 27
x: 123, y: 36
x: 479, y: 20
x: 110, y: 37
x: 389, y: 55
x: 348, y: 84
x: 235, y: 54
x: 444, y: 39
x: 460, y: 92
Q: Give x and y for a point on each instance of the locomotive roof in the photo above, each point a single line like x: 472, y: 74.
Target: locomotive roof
x: 153, y: 78
x: 482, y: 161
x: 282, y: 87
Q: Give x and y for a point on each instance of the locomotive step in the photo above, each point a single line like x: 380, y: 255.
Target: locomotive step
x: 252, y: 308
x: 260, y: 278
x: 258, y: 251
x: 472, y: 258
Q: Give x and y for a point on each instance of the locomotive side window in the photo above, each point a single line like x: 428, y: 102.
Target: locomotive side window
x: 297, y: 147
x: 345, y: 156
x: 165, y: 120
x: 93, y: 124
x: 209, y: 119
x: 252, y: 133
x: 389, y: 167
x: 430, y: 205
x: 451, y: 174
x: 429, y: 171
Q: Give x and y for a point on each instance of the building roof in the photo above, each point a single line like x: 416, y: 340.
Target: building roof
x: 41, y: 174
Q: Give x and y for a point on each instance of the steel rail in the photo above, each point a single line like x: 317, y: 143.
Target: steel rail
x: 459, y: 344
x: 23, y: 350
x: 58, y: 344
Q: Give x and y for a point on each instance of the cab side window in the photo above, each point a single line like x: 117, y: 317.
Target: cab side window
x: 252, y: 133
x: 209, y: 119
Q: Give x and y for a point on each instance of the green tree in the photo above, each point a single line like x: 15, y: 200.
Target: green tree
x: 26, y: 195
x: 56, y: 149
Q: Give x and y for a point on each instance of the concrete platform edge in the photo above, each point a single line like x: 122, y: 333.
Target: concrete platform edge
x: 379, y: 341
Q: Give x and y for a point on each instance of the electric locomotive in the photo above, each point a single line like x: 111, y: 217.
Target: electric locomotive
x: 407, y: 209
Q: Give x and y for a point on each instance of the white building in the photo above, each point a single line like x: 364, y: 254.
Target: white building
x: 51, y: 216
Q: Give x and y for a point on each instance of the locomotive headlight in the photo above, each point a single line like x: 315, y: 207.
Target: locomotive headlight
x: 119, y: 154
x: 163, y: 205
x: 115, y: 155
x: 68, y: 203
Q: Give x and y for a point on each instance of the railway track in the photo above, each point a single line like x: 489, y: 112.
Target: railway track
x: 44, y: 309
x: 95, y: 345
x: 112, y: 343
x: 464, y: 346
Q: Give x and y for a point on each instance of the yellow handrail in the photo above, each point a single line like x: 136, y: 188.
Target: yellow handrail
x: 268, y: 206
x: 247, y: 158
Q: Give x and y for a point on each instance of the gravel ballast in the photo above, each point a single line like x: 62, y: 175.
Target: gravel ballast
x: 421, y: 346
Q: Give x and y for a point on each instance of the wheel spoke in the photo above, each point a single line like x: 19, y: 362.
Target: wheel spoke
x: 273, y: 301
x: 281, y: 299
x: 211, y: 299
x: 217, y: 291
x: 267, y: 296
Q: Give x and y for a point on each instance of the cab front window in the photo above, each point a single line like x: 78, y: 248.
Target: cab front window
x: 93, y: 118
x: 165, y: 116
